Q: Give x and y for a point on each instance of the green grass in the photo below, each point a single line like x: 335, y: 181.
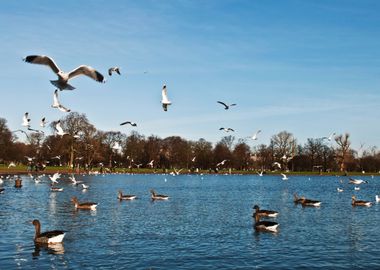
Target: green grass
x: 23, y: 169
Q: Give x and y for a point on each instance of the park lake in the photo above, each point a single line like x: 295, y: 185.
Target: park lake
x: 206, y: 223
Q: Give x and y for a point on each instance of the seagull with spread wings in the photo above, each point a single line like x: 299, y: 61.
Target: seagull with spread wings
x: 226, y: 107
x: 59, y: 130
x: 64, y: 77
x: 113, y: 69
x: 227, y: 129
x: 255, y: 136
x: 329, y: 138
x: 133, y: 124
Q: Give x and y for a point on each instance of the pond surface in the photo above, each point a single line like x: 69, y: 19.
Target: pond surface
x: 206, y: 224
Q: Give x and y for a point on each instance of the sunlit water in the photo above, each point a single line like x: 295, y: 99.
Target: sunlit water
x: 206, y: 224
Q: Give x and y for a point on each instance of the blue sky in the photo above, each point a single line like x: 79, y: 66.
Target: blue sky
x: 308, y: 67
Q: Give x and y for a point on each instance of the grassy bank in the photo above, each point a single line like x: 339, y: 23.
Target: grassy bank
x: 53, y: 169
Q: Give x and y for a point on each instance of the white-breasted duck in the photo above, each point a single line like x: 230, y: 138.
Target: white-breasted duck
x: 56, y: 189
x: 55, y: 236
x: 127, y: 197
x: 308, y: 202
x: 264, y: 213
x: 85, y: 205
x: 356, y: 202
x: 156, y: 196
x: 265, y: 225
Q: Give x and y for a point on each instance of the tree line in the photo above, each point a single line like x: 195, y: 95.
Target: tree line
x: 87, y: 147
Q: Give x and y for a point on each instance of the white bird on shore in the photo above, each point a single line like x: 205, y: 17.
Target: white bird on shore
x: 226, y: 107
x: 55, y: 177
x: 165, y: 100
x: 57, y: 104
x: 151, y: 163
x: 63, y: 77
x: 30, y: 159
x: 25, y: 120
x: 12, y: 164
x: 59, y: 130
x: 284, y: 177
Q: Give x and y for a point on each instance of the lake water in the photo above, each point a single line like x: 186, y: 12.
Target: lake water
x: 206, y: 224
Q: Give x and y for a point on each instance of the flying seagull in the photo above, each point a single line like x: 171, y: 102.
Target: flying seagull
x: 59, y: 130
x: 329, y: 138
x: 221, y: 163
x: 56, y: 103
x: 226, y: 107
x: 165, y: 100
x: 63, y: 77
x: 26, y: 120
x: 113, y: 69
x: 133, y: 124
x: 227, y: 129
x: 43, y: 122
x: 254, y: 136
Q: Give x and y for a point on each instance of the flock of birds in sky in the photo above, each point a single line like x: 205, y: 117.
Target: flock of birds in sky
x: 62, y: 83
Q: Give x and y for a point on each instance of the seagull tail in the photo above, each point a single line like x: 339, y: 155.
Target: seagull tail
x: 61, y: 86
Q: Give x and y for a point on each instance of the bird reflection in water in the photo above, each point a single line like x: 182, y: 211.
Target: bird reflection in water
x: 56, y: 248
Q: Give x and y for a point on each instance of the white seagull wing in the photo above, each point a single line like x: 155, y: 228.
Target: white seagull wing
x: 42, y: 60
x: 88, y: 71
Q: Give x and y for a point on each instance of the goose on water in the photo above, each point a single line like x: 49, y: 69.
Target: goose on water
x: 85, y: 205
x: 356, y: 202
x: 63, y: 77
x: 308, y: 202
x: 264, y: 213
x: 48, y: 237
x: 156, y: 196
x: 127, y: 197
x: 265, y: 225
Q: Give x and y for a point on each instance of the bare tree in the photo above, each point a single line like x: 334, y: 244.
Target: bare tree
x: 343, y: 149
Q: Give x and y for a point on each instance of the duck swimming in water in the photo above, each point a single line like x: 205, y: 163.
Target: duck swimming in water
x: 355, y: 202
x: 85, y: 205
x: 156, y: 196
x: 120, y: 196
x: 307, y: 202
x: 47, y: 237
x: 265, y: 225
x: 264, y: 213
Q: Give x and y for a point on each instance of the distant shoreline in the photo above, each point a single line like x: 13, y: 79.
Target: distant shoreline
x: 50, y: 170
